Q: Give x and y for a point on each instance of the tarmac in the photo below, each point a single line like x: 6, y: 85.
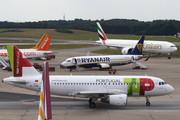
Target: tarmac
x: 22, y: 104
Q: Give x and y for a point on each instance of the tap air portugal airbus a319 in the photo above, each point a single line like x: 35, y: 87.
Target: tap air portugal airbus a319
x: 109, y: 89
x: 106, y: 61
x: 126, y: 46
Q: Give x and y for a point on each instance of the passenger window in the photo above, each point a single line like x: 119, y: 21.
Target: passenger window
x: 159, y: 83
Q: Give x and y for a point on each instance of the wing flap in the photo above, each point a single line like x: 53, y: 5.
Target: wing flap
x: 104, y: 91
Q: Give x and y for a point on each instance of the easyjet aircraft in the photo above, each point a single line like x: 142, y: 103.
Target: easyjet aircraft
x: 109, y: 89
x: 126, y: 46
x: 41, y: 51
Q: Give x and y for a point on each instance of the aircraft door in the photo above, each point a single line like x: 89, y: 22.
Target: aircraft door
x: 74, y: 61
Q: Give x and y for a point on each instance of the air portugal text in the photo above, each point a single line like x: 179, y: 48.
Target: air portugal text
x: 25, y: 54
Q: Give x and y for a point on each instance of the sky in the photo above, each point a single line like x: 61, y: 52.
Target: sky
x: 40, y: 10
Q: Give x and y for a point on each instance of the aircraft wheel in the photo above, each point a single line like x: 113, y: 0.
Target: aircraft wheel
x: 90, y: 100
x: 92, y: 105
x: 169, y: 57
x: 148, y: 104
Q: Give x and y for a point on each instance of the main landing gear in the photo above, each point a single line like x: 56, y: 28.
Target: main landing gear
x: 147, y: 101
x: 92, y: 103
x: 169, y: 55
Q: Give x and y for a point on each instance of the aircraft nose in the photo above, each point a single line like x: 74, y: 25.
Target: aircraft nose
x: 62, y: 65
x: 170, y: 89
x: 175, y: 48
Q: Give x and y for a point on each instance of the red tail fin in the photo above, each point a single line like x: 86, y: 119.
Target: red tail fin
x: 19, y: 64
x: 45, y: 45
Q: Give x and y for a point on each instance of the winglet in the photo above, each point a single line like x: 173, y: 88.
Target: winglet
x: 102, y: 35
x: 45, y: 45
x: 139, y: 47
x: 40, y: 42
x: 19, y: 64
x: 45, y: 111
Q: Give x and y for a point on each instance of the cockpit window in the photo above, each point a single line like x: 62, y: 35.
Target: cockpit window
x: 68, y: 60
x: 162, y: 83
x: 173, y: 46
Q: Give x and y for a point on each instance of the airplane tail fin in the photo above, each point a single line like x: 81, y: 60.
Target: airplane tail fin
x: 102, y: 35
x: 45, y: 45
x: 45, y: 112
x: 19, y: 64
x: 139, y: 47
x: 40, y: 42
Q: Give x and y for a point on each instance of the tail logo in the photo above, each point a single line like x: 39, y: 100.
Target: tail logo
x: 139, y: 46
x: 44, y: 43
x: 17, y: 63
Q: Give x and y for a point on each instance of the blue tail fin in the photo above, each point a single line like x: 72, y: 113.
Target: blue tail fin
x: 138, y: 49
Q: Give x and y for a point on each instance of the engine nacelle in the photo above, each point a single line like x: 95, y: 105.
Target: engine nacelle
x: 104, y: 66
x: 126, y: 50
x: 119, y: 100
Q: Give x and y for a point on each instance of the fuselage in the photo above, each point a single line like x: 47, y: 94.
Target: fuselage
x: 95, y: 61
x: 71, y: 85
x: 156, y: 47
x: 28, y: 53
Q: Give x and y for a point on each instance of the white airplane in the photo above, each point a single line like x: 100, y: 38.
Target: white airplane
x: 45, y: 112
x: 41, y: 51
x: 109, y: 89
x: 106, y: 61
x: 126, y: 46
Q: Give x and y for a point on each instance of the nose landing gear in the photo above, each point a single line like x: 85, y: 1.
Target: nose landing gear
x: 147, y: 101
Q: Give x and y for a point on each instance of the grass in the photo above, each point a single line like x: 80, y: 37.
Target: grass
x: 76, y: 35
x: 55, y: 47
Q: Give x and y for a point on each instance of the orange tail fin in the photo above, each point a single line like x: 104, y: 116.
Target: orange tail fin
x: 40, y: 42
x: 45, y: 45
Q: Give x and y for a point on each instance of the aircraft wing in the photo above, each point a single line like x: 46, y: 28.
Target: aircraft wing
x: 103, y: 91
x: 19, y: 82
x: 51, y: 52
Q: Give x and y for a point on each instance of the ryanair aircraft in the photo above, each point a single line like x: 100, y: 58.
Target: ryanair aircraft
x: 107, y: 61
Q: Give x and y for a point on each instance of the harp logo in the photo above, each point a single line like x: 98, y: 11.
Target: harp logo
x: 139, y: 46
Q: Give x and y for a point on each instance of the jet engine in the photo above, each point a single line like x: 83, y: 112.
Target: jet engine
x: 126, y: 50
x: 104, y: 66
x: 119, y: 100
